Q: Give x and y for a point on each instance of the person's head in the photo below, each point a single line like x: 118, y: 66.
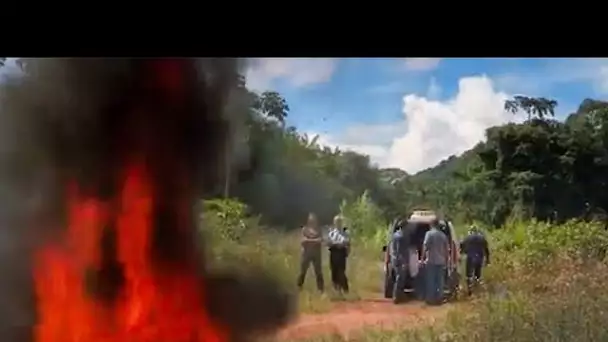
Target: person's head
x: 473, y: 229
x: 312, y: 220
x: 435, y: 224
x: 338, y: 221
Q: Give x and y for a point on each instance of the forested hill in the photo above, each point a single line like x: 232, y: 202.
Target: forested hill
x: 542, y: 168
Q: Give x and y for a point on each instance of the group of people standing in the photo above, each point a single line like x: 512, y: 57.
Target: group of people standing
x: 439, y: 256
x: 438, y: 252
x: 338, y: 243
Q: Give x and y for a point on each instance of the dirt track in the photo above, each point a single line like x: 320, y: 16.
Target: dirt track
x: 349, y: 318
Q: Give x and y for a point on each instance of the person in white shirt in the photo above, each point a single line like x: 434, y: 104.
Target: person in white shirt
x: 339, y: 249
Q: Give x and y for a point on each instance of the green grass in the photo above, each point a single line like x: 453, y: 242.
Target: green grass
x: 280, y: 255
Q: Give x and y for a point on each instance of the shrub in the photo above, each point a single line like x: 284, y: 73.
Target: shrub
x: 365, y: 220
x: 227, y: 219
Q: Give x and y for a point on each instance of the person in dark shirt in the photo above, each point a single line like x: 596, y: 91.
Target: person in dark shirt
x: 399, y: 258
x: 311, y: 242
x: 475, y: 247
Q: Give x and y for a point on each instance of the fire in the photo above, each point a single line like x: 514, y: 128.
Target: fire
x: 152, y: 306
x: 143, y: 300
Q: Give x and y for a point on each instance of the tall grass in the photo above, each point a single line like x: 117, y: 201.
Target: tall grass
x: 238, y: 240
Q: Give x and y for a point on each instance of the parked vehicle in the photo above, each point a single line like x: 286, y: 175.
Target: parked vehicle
x: 416, y: 225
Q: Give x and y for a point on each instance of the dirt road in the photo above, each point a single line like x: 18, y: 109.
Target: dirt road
x: 348, y: 318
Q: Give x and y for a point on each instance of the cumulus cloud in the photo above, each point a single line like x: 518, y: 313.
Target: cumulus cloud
x: 378, y: 154
x: 436, y: 130
x: 422, y: 64
x: 431, y: 130
x: 297, y: 72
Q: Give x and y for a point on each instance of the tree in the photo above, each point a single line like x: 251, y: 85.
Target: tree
x: 272, y: 105
x: 535, y: 107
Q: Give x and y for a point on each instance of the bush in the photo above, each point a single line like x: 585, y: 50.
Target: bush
x: 227, y: 219
x: 538, y: 243
x: 365, y: 220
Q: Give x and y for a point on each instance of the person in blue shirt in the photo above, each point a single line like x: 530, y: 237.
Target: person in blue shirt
x: 435, y: 258
x: 399, y: 259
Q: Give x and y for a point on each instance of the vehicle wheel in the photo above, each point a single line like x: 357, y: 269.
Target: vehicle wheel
x: 407, y: 296
x: 401, y: 297
x: 389, y: 283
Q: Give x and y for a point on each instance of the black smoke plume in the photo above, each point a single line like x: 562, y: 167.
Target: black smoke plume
x: 75, y: 119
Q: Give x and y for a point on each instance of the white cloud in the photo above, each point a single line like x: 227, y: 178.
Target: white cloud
x: 436, y: 130
x: 298, y: 72
x: 431, y: 130
x: 422, y: 64
x: 378, y: 153
x: 372, y: 140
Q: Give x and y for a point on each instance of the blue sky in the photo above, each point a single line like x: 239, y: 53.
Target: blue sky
x: 412, y: 113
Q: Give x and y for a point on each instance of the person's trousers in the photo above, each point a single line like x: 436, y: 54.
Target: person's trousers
x: 473, y: 268
x: 435, y: 282
x: 400, y: 270
x: 306, y: 261
x: 337, y: 266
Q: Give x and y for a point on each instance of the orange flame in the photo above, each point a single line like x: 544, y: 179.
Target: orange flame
x: 153, y: 305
